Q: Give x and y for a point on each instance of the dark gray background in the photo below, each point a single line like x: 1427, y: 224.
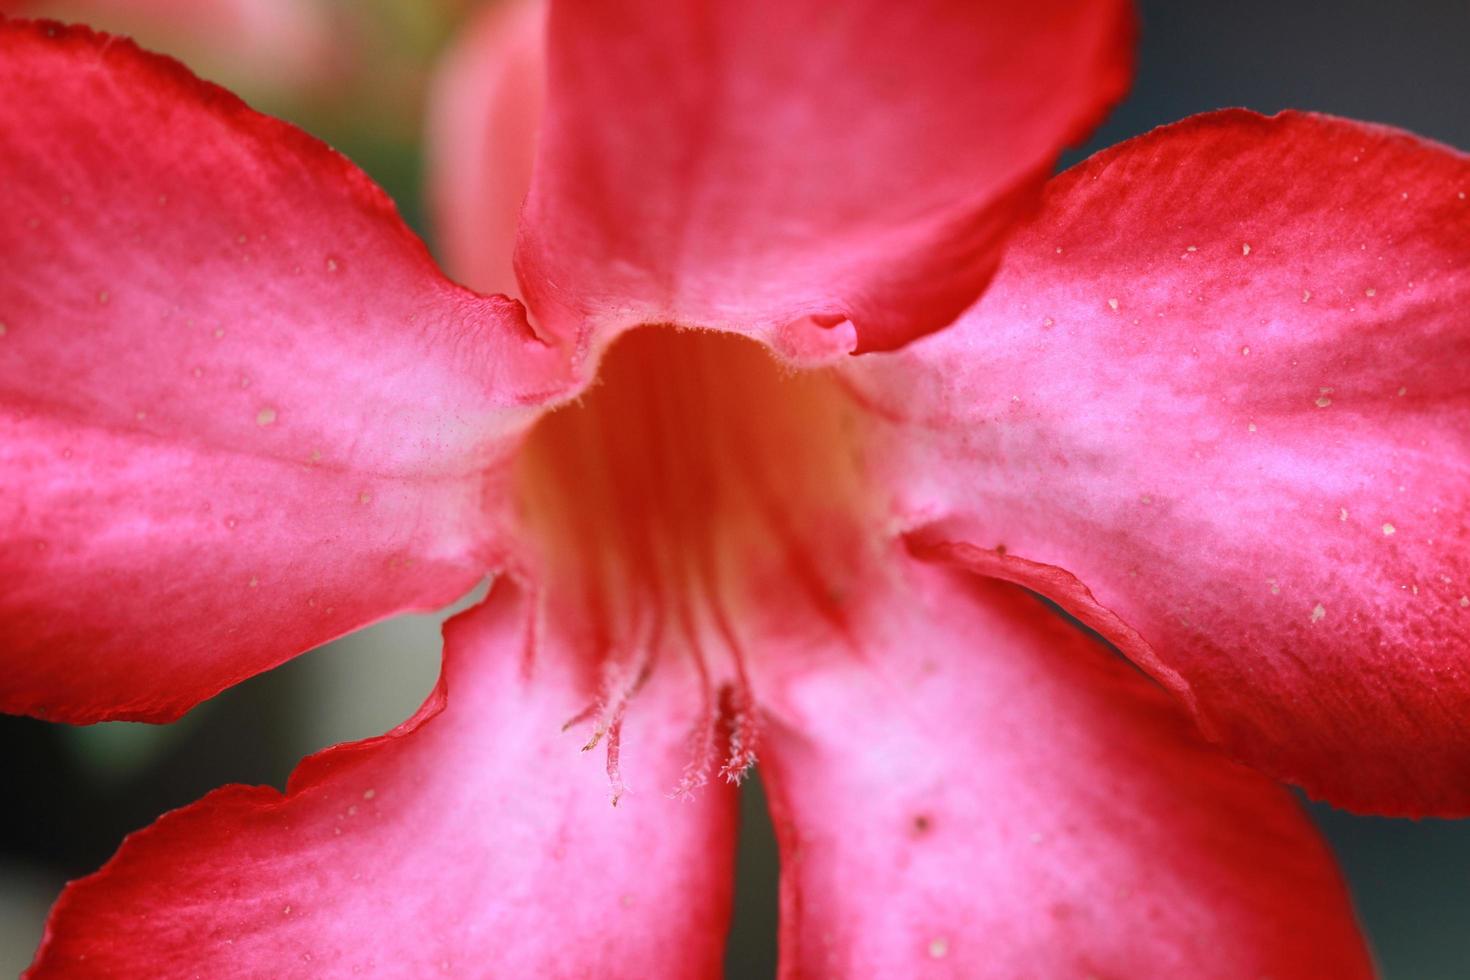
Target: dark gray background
x: 73, y: 793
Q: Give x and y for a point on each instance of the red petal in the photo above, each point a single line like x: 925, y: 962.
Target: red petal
x: 486, y: 108
x: 474, y: 839
x: 240, y: 410
x: 1221, y: 385
x: 745, y: 165
x: 985, y: 792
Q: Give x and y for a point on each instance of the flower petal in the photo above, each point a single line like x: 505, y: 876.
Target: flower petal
x: 747, y: 165
x: 475, y: 838
x: 1216, y: 405
x: 985, y: 792
x: 269, y: 45
x: 241, y: 412
x: 486, y: 108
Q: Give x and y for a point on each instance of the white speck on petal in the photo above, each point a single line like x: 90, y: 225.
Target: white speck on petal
x: 1113, y: 304
x: 1342, y: 514
x: 1252, y: 427
x: 939, y: 947
x: 364, y: 497
x: 1318, y: 612
x: 254, y: 582
x: 1388, y: 529
x: 368, y: 794
x: 1047, y: 321
x: 102, y: 297
x: 1245, y: 248
x: 1245, y: 351
x: 266, y: 416
x: 1403, y: 392
x: 1370, y: 292
x: 2, y: 328
x: 1465, y: 600
x: 1306, y: 295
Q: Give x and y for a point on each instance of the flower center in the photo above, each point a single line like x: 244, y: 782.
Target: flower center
x: 699, y: 494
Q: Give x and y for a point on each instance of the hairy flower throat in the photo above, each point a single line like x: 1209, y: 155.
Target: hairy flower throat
x: 697, y: 485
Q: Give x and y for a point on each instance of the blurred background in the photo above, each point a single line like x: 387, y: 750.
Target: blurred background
x: 355, y: 72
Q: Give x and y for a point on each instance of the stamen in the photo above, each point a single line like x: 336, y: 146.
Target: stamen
x: 702, y: 739
x: 614, y: 745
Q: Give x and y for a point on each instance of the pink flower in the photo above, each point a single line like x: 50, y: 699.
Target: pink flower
x: 1213, y: 404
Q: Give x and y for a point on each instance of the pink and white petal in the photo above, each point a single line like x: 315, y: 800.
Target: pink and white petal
x: 986, y: 792
x: 475, y: 839
x: 485, y: 110
x: 744, y: 166
x: 266, y: 45
x: 1216, y: 405
x: 241, y: 412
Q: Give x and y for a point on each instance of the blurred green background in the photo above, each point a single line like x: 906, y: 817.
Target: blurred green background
x: 73, y: 793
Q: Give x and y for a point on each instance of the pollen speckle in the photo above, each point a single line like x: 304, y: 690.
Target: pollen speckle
x: 1306, y: 295
x: 219, y: 333
x: 368, y: 794
x: 1318, y: 612
x: 2, y: 328
x: 1370, y: 292
x: 1113, y: 305
x: 331, y: 265
x: 364, y: 497
x: 1342, y: 514
x: 1388, y: 529
x: 1047, y: 321
x: 254, y: 582
x: 103, y: 297
x: 938, y: 948
x: 265, y: 416
x: 1465, y: 600
x: 1251, y: 427
x: 1403, y: 392
x: 1245, y: 352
